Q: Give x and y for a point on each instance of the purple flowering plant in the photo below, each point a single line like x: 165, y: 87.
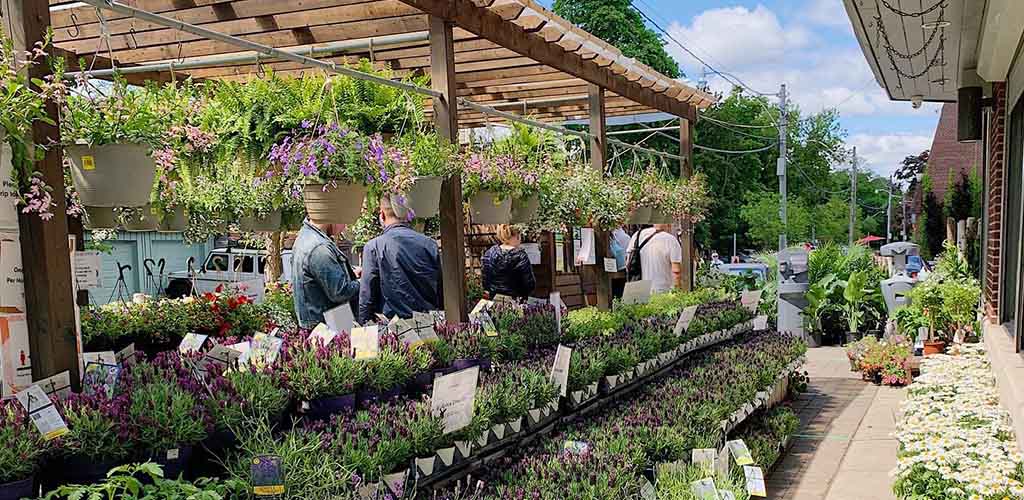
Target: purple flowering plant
x: 312, y: 370
x: 98, y: 426
x: 326, y: 153
x: 22, y: 448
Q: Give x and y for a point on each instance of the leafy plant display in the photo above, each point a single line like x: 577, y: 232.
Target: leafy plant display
x: 956, y: 441
x: 313, y: 370
x: 99, y: 429
x: 884, y: 360
x: 123, y: 115
x: 947, y: 300
x: 764, y: 432
x: 146, y: 481
x: 23, y: 447
x: 844, y: 294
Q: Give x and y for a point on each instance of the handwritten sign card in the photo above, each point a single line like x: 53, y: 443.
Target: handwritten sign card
x: 453, y: 398
x: 365, y: 342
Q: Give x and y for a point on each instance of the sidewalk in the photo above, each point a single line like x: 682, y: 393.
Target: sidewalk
x: 843, y: 450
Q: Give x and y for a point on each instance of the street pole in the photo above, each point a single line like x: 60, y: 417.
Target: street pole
x: 903, y: 209
x: 733, y: 244
x: 781, y: 168
x: 888, y: 215
x: 853, y: 195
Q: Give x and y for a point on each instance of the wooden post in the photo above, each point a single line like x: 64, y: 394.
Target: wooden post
x: 598, y: 156
x: 685, y: 172
x: 46, y: 261
x: 453, y: 240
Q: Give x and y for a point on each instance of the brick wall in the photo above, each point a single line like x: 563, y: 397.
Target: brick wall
x: 950, y: 157
x: 997, y: 150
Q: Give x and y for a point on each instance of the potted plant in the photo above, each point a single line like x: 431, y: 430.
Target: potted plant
x: 333, y: 166
x: 168, y: 422
x: 110, y: 139
x: 21, y: 451
x: 323, y: 377
x: 416, y: 167
x: 386, y: 374
x: 855, y: 294
x: 538, y: 152
x: 586, y: 199
x: 99, y: 437
x: 485, y: 184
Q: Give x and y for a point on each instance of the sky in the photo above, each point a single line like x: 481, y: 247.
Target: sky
x: 807, y: 44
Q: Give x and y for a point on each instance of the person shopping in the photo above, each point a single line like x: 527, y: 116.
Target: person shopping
x: 660, y: 256
x: 323, y: 278
x: 506, y: 267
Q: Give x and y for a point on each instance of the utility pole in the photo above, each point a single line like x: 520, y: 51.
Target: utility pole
x: 781, y: 168
x: 903, y: 219
x: 733, y: 244
x: 888, y: 215
x: 853, y: 195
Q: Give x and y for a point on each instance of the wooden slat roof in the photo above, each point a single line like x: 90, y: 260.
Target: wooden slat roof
x: 507, y: 51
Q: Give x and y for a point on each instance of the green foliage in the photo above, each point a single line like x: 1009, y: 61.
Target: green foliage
x: 760, y: 213
x: 309, y: 472
x: 146, y: 482
x: 616, y: 22
x: 163, y: 414
x: 21, y: 446
x: 126, y: 115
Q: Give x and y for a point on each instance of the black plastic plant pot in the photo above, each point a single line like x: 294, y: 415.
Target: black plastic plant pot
x: 421, y: 382
x: 365, y: 398
x: 174, y: 461
x: 464, y: 363
x: 85, y: 470
x: 16, y: 490
x: 325, y: 408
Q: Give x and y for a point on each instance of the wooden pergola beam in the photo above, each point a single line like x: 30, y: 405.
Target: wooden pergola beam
x: 685, y: 172
x: 599, y: 162
x: 489, y: 25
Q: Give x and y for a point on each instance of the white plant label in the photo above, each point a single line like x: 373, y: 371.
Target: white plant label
x: 100, y: 357
x: 481, y: 306
x: 637, y: 292
x: 556, y: 300
x: 365, y: 342
x: 339, y: 319
x: 610, y: 265
x: 125, y: 354
x: 740, y: 453
x: 193, y: 342
x: 220, y: 358
x: 264, y: 349
x: 58, y: 386
x: 88, y: 269
x: 323, y: 334
x: 755, y: 481
x: 704, y: 489
x: 586, y: 254
x: 42, y: 412
x: 453, y: 398
x: 685, y: 318
x: 704, y: 458
x: 560, y: 368
x: 726, y: 495
x: 761, y: 322
x: 751, y: 299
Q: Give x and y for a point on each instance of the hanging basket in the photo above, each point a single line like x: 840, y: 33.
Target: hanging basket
x: 524, y: 209
x: 487, y: 209
x: 422, y: 200
x: 100, y: 218
x: 334, y: 203
x: 112, y: 175
x: 142, y: 219
x: 639, y: 215
x: 174, y: 222
x: 660, y: 217
x: 266, y: 224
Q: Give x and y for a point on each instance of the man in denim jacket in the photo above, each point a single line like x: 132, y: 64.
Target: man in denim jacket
x: 321, y: 275
x: 401, y: 270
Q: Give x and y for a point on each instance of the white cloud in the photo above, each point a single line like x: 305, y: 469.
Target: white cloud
x: 738, y: 36
x: 883, y: 153
x: 827, y: 13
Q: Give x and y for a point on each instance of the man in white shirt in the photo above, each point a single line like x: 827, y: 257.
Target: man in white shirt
x: 661, y: 257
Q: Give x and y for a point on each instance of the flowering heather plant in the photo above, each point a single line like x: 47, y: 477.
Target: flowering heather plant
x: 164, y: 416
x: 458, y: 341
x: 312, y: 370
x: 98, y: 428
x: 956, y: 441
x: 21, y: 446
x: 329, y: 153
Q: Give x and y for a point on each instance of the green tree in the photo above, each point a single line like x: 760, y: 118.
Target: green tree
x: 616, y: 22
x: 761, y: 215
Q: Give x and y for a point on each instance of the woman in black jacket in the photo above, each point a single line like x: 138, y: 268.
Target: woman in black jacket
x: 506, y: 267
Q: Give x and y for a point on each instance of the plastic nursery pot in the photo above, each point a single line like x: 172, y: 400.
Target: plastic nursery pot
x: 421, y: 382
x: 337, y: 203
x: 16, y: 490
x: 142, y: 220
x: 324, y: 408
x: 462, y: 364
x: 639, y: 215
x: 422, y: 200
x: 174, y: 222
x: 256, y: 224
x: 524, y: 209
x: 100, y: 218
x: 112, y: 175
x: 934, y: 347
x: 173, y: 460
x: 486, y: 208
x: 84, y: 470
x: 367, y: 397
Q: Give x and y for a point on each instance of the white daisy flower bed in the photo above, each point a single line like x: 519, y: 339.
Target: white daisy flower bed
x: 956, y: 442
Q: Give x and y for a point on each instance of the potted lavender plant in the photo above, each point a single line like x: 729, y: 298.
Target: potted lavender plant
x: 21, y: 452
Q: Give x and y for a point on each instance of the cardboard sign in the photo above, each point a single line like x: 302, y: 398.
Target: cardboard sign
x: 87, y: 268
x: 704, y: 489
x: 685, y: 318
x: 560, y: 369
x: 12, y: 279
x: 586, y: 254
x: 322, y: 334
x: 192, y: 343
x: 761, y: 322
x: 453, y: 398
x: 42, y: 413
x: 126, y: 355
x: 637, y: 292
x: 755, y: 481
x: 57, y: 386
x: 532, y: 252
x: 611, y: 265
x: 704, y: 458
x: 266, y: 477
x: 15, y: 362
x: 751, y: 299
x: 101, y: 357
x: 739, y: 451
x: 99, y: 376
x: 365, y: 342
x: 339, y: 319
x: 556, y: 300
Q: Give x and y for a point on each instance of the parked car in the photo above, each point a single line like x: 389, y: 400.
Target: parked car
x: 241, y: 267
x: 757, y: 269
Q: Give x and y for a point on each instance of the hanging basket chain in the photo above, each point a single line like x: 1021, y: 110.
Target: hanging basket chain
x: 903, y: 13
x: 880, y: 28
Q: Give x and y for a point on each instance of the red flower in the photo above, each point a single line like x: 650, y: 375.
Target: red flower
x: 220, y: 288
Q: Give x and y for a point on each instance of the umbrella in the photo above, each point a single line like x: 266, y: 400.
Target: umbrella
x: 869, y: 239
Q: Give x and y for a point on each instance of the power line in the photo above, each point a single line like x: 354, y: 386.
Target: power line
x: 740, y: 125
x: 725, y: 151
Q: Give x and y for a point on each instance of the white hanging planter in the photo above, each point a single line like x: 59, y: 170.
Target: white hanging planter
x: 112, y: 175
x: 487, y: 209
x: 524, y: 209
x: 422, y: 201
x: 267, y: 224
x: 100, y: 218
x: 142, y: 220
x: 337, y: 203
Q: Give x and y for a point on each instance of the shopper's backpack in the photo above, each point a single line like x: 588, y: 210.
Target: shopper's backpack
x: 634, y: 270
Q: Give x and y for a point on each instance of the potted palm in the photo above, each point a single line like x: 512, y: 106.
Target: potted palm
x: 21, y: 451
x: 110, y: 139
x: 331, y: 165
